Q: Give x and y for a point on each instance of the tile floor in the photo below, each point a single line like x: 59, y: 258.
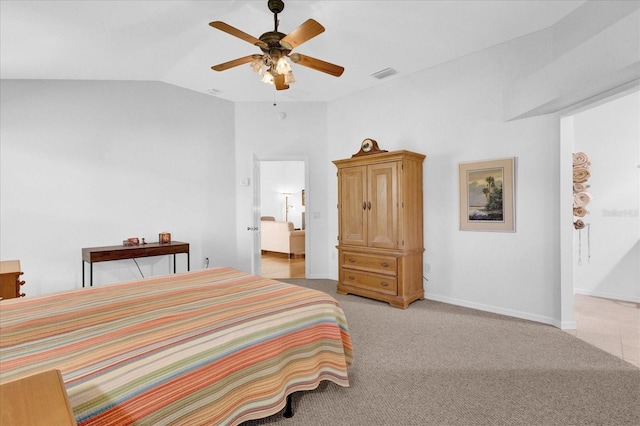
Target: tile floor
x: 611, y: 325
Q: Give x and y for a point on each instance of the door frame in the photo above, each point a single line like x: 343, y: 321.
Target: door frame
x: 256, y: 255
x: 566, y: 321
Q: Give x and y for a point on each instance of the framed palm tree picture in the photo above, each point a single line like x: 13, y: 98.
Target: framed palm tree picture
x: 487, y: 196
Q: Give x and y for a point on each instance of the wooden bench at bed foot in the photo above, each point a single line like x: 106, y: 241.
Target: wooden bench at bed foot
x: 37, y: 400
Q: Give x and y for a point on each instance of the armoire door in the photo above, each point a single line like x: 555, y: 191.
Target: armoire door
x: 382, y: 205
x: 352, y: 204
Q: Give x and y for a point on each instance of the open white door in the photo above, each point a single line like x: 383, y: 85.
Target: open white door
x: 256, y: 263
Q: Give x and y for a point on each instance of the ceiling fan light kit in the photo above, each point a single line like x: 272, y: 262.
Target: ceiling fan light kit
x: 273, y: 64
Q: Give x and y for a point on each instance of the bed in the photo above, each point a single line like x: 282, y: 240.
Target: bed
x: 216, y: 346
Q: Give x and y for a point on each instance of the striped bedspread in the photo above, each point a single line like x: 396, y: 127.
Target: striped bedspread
x: 215, y: 347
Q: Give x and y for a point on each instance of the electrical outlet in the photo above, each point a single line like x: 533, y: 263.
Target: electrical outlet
x: 426, y: 268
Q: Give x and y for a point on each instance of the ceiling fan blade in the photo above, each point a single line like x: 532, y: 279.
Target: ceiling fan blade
x: 279, y: 82
x: 234, y: 63
x: 237, y: 33
x: 306, y: 31
x: 317, y: 64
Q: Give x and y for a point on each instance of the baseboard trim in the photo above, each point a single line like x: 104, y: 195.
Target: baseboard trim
x: 605, y: 295
x: 319, y: 277
x: 497, y: 310
x: 567, y: 325
x: 282, y: 255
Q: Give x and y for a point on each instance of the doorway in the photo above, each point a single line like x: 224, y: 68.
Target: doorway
x: 280, y: 195
x: 600, y: 267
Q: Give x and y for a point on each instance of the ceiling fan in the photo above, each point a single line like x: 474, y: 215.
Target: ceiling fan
x: 276, y: 47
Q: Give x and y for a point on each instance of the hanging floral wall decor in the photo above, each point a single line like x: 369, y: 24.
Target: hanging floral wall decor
x: 581, y: 198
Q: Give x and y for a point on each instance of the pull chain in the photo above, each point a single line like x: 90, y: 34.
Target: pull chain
x: 588, y: 243
x: 579, y: 246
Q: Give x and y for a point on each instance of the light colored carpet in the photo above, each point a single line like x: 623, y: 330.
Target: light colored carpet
x: 439, y: 364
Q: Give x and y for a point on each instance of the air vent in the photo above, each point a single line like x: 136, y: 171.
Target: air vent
x: 387, y: 72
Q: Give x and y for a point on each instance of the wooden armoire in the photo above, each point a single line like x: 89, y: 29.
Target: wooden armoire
x: 380, y: 230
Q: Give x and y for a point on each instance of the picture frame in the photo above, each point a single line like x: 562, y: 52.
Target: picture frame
x: 487, y: 195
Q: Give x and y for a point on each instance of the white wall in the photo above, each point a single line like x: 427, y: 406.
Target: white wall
x: 90, y: 163
x: 593, y: 50
x: 610, y: 134
x: 277, y: 178
x: 454, y: 113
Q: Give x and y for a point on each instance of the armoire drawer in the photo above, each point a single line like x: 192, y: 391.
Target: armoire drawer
x: 377, y: 282
x: 374, y: 263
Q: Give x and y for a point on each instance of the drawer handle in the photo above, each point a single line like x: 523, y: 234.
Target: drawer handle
x: 384, y: 264
x: 364, y: 205
x: 352, y: 260
x: 384, y: 284
x: 369, y: 205
x: 351, y: 277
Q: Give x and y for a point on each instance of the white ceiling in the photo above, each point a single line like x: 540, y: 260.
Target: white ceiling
x: 171, y: 41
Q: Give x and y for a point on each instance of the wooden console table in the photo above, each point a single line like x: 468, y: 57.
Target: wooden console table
x: 91, y: 255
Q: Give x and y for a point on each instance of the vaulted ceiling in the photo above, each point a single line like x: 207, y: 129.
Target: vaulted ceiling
x: 171, y: 41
